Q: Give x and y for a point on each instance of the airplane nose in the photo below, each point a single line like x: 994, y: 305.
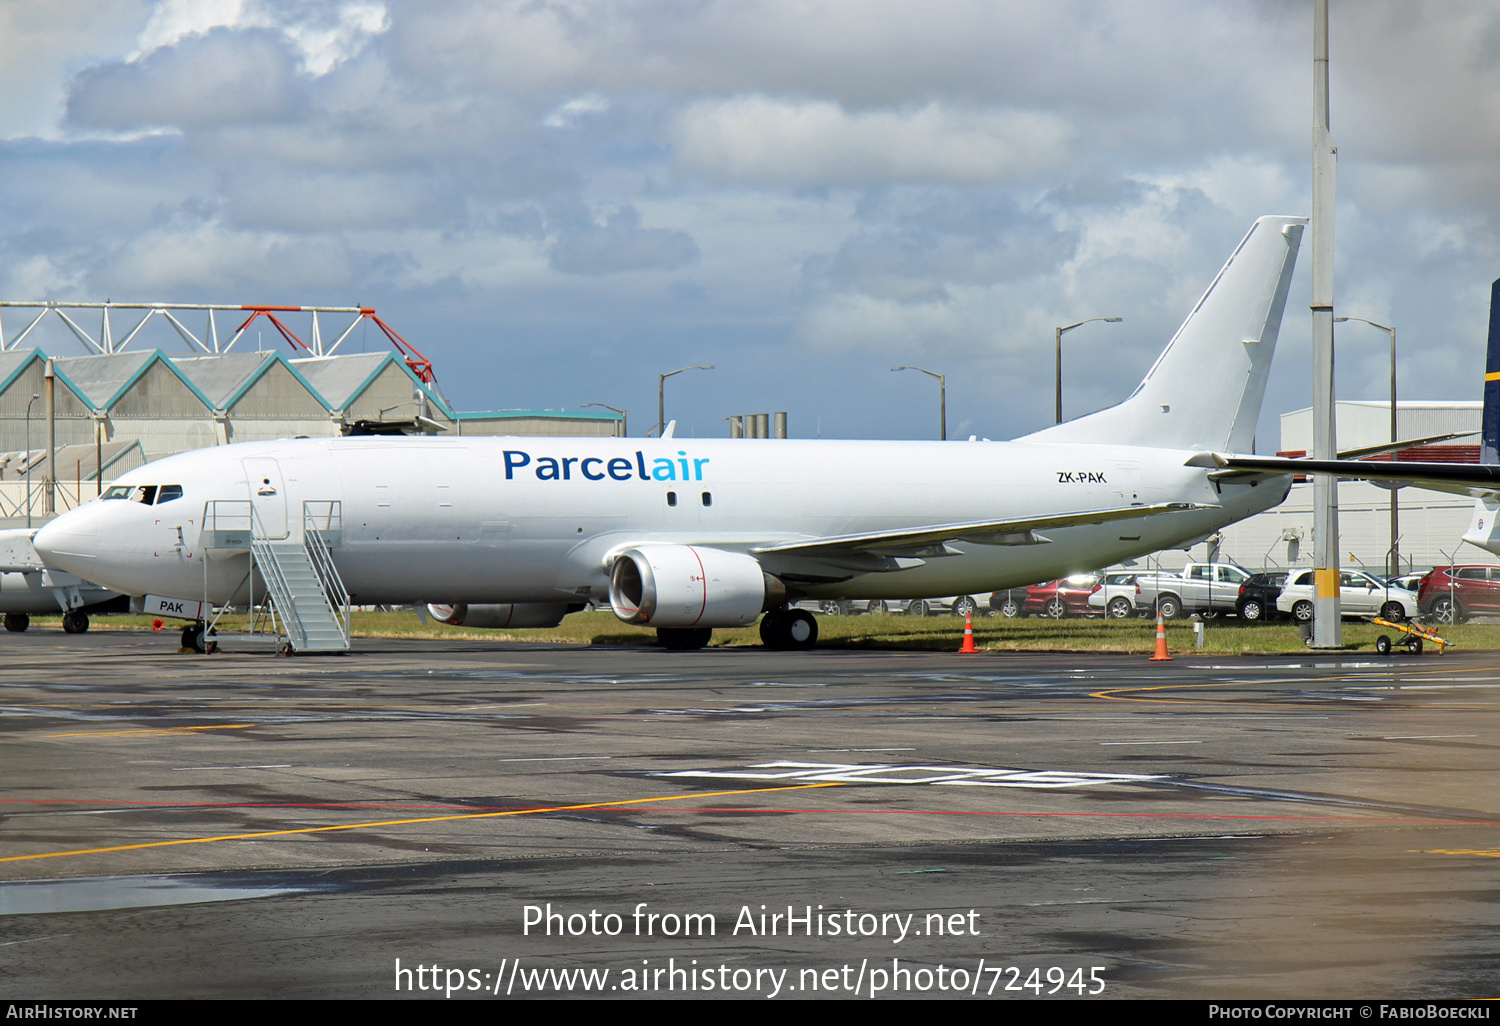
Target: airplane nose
x: 71, y: 542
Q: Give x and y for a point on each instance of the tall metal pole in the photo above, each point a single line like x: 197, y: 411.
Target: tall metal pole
x: 49, y: 476
x: 624, y: 421
x: 661, y: 393
x: 34, y: 398
x: 942, y: 397
x: 1059, y: 335
x: 1327, y: 623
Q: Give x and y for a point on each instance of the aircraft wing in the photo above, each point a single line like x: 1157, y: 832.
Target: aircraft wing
x: 1473, y: 479
x: 928, y: 541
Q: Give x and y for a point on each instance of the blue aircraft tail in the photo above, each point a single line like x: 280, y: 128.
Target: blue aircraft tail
x: 1490, y: 443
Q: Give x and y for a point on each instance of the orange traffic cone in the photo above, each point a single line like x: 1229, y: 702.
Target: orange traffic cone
x: 1161, y: 641
x: 968, y: 634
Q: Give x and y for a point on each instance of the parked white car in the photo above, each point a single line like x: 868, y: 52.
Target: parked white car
x: 1359, y: 595
x: 1117, y: 594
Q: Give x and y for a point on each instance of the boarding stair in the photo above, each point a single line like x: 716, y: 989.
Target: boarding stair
x: 304, y: 602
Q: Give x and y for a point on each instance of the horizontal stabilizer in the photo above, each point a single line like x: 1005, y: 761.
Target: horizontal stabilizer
x: 1459, y: 478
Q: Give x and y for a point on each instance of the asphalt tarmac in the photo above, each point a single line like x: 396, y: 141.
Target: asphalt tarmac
x: 420, y: 819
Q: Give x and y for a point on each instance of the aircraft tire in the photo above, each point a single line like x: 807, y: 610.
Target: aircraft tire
x: 17, y: 622
x: 192, y: 637
x: 788, y: 630
x: 75, y: 623
x: 684, y: 639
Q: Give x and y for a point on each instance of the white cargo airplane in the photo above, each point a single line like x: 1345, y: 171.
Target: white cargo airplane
x: 688, y: 535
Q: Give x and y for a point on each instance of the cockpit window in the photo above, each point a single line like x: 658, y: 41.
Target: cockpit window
x: 144, y: 494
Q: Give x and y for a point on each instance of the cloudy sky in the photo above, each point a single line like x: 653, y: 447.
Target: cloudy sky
x: 557, y: 200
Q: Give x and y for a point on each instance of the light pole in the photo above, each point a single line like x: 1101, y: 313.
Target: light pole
x: 34, y: 397
x: 1070, y: 327
x: 624, y: 424
x: 1393, y: 566
x: 942, y: 398
x: 661, y: 388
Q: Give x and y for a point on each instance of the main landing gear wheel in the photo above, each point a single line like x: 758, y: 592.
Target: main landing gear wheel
x: 192, y: 638
x: 17, y: 622
x: 784, y: 630
x: 75, y: 623
x: 684, y: 639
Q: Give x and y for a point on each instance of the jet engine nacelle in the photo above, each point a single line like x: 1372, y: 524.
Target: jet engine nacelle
x: 510, y: 614
x: 690, y: 586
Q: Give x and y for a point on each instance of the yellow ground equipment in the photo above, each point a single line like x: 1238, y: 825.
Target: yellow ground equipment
x: 1415, y: 635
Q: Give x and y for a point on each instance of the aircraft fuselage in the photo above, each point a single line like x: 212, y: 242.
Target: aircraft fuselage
x: 523, y: 519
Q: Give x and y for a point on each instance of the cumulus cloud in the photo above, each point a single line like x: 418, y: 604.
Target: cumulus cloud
x: 620, y: 244
x: 184, y: 257
x: 222, y: 78
x: 323, y: 34
x: 777, y: 142
x: 837, y: 179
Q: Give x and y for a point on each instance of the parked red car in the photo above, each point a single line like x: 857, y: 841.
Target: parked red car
x: 1066, y: 597
x: 1452, y: 594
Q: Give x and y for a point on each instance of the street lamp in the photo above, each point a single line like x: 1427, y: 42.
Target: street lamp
x: 34, y: 397
x: 661, y: 386
x: 624, y: 424
x: 1394, y: 563
x: 1070, y: 327
x: 942, y: 398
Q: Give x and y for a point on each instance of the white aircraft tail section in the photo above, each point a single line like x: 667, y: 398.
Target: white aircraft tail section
x: 1205, y: 390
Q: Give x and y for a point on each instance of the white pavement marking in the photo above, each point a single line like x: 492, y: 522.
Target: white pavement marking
x: 854, y: 773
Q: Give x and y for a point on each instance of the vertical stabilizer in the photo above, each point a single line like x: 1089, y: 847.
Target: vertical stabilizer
x: 1490, y: 443
x: 1205, y: 390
